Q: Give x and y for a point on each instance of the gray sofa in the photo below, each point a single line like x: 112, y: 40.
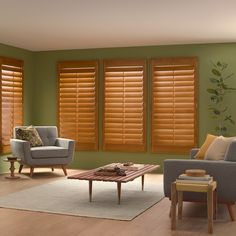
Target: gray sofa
x: 54, y: 152
x: 223, y: 171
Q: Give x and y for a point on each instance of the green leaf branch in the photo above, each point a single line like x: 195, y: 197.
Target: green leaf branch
x: 217, y: 93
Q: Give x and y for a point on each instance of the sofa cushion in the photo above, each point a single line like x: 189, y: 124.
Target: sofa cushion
x: 29, y: 134
x: 202, y: 151
x: 48, y: 152
x: 218, y: 148
x: 231, y: 152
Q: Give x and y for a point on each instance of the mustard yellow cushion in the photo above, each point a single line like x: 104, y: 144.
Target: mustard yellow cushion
x: 201, y: 153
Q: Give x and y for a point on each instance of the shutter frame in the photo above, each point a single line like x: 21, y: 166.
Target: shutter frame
x: 178, y: 148
x: 12, y: 98
x: 83, y: 92
x: 118, y: 145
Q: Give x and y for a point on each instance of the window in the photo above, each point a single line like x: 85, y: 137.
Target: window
x: 78, y: 116
x: 174, y: 105
x: 124, y: 105
x: 11, y: 89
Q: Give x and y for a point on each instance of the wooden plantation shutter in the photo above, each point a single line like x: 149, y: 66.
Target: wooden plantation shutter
x: 124, y: 105
x: 174, y: 105
x: 78, y: 103
x: 11, y: 74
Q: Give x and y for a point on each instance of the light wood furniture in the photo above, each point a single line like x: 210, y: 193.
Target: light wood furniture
x: 177, y: 190
x: 12, y: 168
x: 130, y: 176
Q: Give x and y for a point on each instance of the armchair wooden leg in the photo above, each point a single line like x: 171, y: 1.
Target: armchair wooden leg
x: 20, y: 168
x: 31, y: 171
x: 64, y: 169
x: 52, y: 169
x: 230, y: 207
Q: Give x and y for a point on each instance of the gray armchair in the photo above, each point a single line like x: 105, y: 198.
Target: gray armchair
x: 54, y: 152
x: 223, y: 171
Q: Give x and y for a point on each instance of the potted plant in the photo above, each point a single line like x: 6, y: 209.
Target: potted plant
x: 218, y: 92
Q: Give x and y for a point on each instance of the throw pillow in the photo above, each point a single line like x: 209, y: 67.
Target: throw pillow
x: 29, y: 134
x: 218, y: 148
x: 202, y: 151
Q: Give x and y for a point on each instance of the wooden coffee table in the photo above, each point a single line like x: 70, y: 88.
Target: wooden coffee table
x: 130, y: 176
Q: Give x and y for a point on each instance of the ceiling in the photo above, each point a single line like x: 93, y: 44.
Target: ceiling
x: 41, y: 25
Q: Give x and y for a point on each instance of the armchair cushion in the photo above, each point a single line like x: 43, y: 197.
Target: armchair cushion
x: 48, y: 152
x: 48, y: 134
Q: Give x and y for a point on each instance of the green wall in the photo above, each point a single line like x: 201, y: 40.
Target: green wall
x: 40, y: 90
x: 45, y: 91
x: 28, y: 58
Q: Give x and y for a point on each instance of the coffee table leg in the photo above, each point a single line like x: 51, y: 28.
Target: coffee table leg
x: 142, y: 182
x: 119, y: 191
x: 90, y: 190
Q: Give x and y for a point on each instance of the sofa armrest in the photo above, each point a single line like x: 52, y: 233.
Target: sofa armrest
x: 20, y: 149
x: 224, y: 172
x: 68, y: 144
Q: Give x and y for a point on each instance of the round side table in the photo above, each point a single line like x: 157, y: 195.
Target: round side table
x: 12, y: 168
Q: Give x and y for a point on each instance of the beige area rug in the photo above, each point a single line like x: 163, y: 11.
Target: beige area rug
x: 71, y: 197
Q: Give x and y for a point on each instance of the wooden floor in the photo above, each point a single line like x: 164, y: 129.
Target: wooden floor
x: 154, y: 221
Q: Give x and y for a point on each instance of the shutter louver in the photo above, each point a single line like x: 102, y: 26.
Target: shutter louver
x: 124, y: 105
x: 11, y: 99
x: 174, y: 102
x: 78, y: 103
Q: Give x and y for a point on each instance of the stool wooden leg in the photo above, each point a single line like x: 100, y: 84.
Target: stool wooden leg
x: 210, y: 208
x: 215, y: 204
x: 180, y: 204
x: 173, y: 205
